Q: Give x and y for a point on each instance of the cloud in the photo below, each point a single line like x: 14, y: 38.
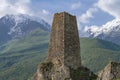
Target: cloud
x: 110, y: 6
x: 14, y: 7
x: 23, y: 7
x: 45, y: 12
x: 75, y: 5
x: 84, y: 18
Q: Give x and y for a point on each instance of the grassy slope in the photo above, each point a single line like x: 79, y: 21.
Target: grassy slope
x: 19, y: 58
x: 97, y: 53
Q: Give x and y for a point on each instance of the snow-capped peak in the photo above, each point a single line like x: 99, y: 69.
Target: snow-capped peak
x: 23, y: 18
x: 109, y: 31
x: 20, y: 24
x: 112, y: 26
x: 18, y: 18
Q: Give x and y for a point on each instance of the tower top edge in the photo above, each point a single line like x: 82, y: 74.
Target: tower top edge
x: 64, y: 13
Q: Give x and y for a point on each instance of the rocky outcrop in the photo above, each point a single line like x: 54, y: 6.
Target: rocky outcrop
x: 49, y: 71
x: 63, y: 61
x: 111, y: 72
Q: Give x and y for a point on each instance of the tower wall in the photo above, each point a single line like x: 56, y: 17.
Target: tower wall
x: 64, y: 43
x: 56, y: 44
x: 71, y: 42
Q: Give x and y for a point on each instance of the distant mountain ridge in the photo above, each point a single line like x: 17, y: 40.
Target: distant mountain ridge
x: 15, y: 26
x: 110, y: 31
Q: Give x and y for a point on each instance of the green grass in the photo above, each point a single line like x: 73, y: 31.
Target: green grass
x: 96, y: 53
x: 19, y: 58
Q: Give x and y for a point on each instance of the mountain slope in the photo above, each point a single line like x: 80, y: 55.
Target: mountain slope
x: 97, y: 53
x: 19, y: 58
x: 110, y: 31
x: 15, y: 26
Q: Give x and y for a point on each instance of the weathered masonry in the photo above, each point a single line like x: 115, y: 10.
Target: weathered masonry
x: 64, y: 43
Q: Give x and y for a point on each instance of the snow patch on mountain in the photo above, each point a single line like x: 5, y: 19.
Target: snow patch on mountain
x: 110, y: 31
x: 16, y: 26
x: 19, y: 19
x: 110, y: 27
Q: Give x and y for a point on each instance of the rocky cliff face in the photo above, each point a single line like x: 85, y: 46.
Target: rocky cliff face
x: 63, y: 62
x: 111, y: 72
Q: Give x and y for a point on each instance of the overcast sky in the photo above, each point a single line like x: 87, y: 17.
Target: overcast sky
x: 88, y: 12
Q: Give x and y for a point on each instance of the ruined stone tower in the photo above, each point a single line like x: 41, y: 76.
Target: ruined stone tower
x: 63, y: 61
x: 64, y: 43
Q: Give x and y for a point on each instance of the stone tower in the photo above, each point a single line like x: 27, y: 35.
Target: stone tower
x: 63, y: 61
x: 64, y: 43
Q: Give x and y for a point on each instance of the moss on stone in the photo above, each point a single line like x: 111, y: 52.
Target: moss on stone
x: 82, y: 73
x: 46, y: 66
